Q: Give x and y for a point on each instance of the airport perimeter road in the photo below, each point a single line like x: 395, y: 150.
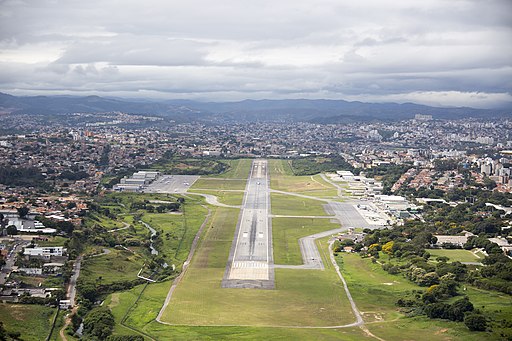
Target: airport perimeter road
x: 171, y: 184
x: 250, y: 263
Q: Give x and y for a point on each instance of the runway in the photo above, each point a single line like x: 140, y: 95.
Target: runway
x: 250, y: 263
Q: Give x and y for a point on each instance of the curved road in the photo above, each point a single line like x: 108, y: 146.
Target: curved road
x: 213, y: 200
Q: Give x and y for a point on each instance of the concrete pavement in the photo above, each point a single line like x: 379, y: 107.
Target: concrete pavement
x: 250, y: 263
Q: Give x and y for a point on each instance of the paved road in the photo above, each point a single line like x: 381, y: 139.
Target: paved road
x: 338, y: 187
x: 11, y: 258
x: 250, y: 262
x: 71, y: 294
x: 213, y: 200
x: 172, y: 184
x: 310, y: 255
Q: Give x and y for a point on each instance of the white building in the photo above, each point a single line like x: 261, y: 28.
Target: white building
x: 45, y: 252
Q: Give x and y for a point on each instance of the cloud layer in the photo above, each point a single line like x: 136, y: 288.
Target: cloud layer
x: 434, y: 51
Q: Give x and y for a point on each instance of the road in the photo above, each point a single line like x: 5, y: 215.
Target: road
x: 250, y: 263
x: 213, y: 200
x: 71, y: 294
x: 11, y: 258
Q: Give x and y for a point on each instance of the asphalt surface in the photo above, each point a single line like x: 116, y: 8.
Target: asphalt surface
x: 348, y: 215
x: 213, y: 200
x: 10, y: 259
x: 250, y: 263
x: 171, y: 184
x: 71, y: 294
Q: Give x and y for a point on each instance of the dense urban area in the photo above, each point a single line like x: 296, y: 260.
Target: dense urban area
x: 97, y: 209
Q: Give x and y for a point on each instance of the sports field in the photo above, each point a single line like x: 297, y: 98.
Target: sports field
x: 455, y: 255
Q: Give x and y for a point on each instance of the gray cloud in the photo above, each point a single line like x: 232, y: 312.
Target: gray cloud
x: 433, y: 51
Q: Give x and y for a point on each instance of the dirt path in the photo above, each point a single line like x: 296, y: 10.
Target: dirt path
x: 67, y: 322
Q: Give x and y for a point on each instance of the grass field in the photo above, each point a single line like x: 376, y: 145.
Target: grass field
x: 178, y: 231
x: 32, y: 321
x: 454, y: 255
x: 375, y: 293
x: 202, y: 310
x: 301, y: 297
x: 282, y: 204
x: 219, y: 184
x: 118, y: 265
x: 282, y: 179
x: 286, y: 233
x: 238, y: 169
x: 225, y: 197
x: 308, y: 185
x: 279, y: 167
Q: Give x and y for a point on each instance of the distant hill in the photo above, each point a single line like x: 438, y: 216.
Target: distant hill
x: 317, y: 111
x: 50, y: 105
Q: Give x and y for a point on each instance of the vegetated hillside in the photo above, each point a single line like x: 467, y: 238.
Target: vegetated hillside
x: 317, y: 111
x: 49, y: 105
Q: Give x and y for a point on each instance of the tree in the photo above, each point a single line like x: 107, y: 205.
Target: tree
x: 23, y: 211
x: 437, y: 310
x: 459, y: 308
x: 388, y: 247
x: 475, y: 322
x: 11, y: 230
x: 99, y: 323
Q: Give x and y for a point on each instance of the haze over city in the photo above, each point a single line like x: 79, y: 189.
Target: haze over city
x: 441, y: 53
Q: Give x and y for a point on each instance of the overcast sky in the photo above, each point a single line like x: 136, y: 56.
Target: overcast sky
x: 438, y: 52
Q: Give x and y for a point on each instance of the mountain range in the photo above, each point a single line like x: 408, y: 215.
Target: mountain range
x: 291, y: 110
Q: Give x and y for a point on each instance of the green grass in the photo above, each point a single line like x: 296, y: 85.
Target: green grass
x: 282, y: 204
x: 188, y: 166
x: 282, y: 179
x: 145, y: 311
x: 163, y: 332
x: 495, y: 304
x: 104, y: 221
x: 178, y: 231
x: 32, y: 321
x: 286, y: 233
x: 278, y: 167
x: 454, y: 255
x: 118, y: 265
x: 225, y: 197
x: 307, y: 185
x: 373, y: 289
x: 238, y: 169
x: 375, y: 293
x: 52, y: 241
x: 219, y: 184
x: 302, y: 297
